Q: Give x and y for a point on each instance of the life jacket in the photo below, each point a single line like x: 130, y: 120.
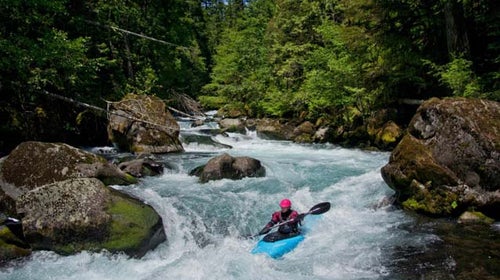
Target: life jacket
x: 279, y: 217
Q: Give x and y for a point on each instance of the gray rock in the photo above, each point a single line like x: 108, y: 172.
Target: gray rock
x: 226, y: 166
x: 83, y: 214
x: 141, y: 124
x: 32, y: 164
x: 452, y: 149
x: 142, y: 167
x: 274, y: 129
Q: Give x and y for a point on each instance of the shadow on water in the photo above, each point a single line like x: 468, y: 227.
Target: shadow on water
x: 457, y: 252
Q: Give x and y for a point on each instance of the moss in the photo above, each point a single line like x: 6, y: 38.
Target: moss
x: 351, y: 114
x: 412, y: 204
x: 482, y: 217
x: 131, y: 224
x: 11, y: 247
x: 127, y: 179
x: 71, y: 248
x: 303, y: 138
x: 435, y: 202
x: 388, y: 136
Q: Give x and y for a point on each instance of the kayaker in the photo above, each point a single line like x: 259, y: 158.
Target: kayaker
x: 286, y: 214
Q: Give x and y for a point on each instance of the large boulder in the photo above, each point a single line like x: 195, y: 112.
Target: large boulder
x: 33, y: 164
x: 83, y: 214
x: 304, y: 132
x: 141, y: 124
x: 226, y: 166
x: 274, y: 129
x: 232, y: 125
x: 449, y: 159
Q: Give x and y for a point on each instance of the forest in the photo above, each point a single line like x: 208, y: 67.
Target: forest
x: 308, y: 59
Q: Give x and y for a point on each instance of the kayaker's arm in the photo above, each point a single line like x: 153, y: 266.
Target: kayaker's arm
x: 297, y: 219
x: 265, y: 230
x: 269, y: 226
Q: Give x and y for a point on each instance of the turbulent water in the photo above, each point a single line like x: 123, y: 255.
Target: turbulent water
x: 359, y: 238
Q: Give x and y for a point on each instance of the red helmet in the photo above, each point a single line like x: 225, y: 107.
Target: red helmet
x: 286, y: 203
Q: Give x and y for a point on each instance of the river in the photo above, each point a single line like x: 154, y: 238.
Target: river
x: 361, y: 237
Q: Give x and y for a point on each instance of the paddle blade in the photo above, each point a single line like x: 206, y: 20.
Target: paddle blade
x: 320, y: 208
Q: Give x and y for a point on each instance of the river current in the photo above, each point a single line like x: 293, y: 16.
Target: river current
x: 360, y: 237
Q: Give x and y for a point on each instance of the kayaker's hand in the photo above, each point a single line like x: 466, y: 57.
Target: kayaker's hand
x: 300, y: 217
x: 265, y: 230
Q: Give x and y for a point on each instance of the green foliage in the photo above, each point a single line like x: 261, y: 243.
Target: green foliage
x: 330, y: 72
x: 211, y: 102
x: 281, y: 58
x: 36, y: 55
x: 59, y: 63
x: 240, y: 73
x: 458, y: 76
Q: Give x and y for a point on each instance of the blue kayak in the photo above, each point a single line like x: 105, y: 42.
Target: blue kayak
x: 276, y: 244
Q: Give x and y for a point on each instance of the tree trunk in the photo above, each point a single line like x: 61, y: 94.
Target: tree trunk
x: 456, y: 34
x: 129, y: 61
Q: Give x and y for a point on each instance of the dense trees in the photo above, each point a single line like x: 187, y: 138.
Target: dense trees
x: 307, y: 58
x: 93, y: 51
x: 321, y: 57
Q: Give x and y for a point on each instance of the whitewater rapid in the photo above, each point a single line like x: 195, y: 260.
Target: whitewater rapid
x: 205, y: 223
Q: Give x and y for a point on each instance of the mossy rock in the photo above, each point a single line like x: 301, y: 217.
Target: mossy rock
x: 303, y: 138
x: 83, y: 214
x: 142, y: 124
x: 388, y: 136
x: 274, y: 129
x: 475, y: 217
x: 11, y: 246
x: 437, y: 202
x: 232, y: 125
x: 32, y: 164
x: 134, y: 227
x: 453, y: 144
x: 412, y: 160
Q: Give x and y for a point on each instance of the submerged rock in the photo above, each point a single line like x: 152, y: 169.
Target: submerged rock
x: 449, y: 160
x: 203, y: 140
x: 142, y: 167
x: 226, y: 166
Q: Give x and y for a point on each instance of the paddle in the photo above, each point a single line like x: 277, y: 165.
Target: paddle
x: 317, y: 209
